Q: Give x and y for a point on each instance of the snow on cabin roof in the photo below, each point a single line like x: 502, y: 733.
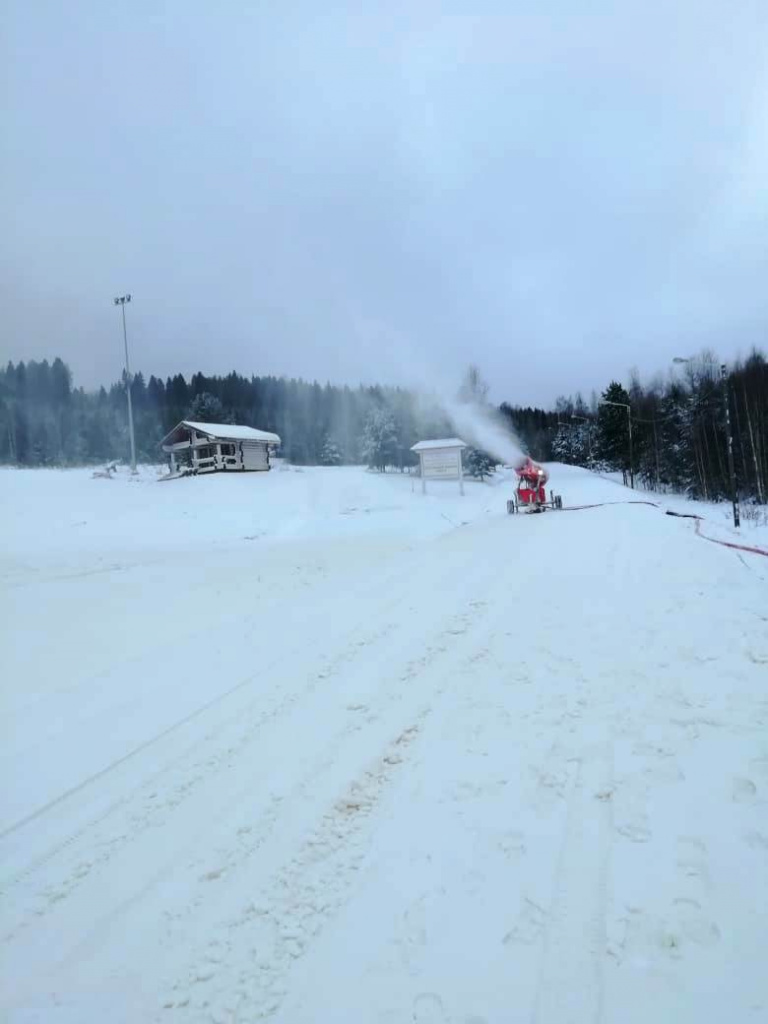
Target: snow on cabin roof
x: 447, y: 442
x: 228, y: 431
x: 233, y: 432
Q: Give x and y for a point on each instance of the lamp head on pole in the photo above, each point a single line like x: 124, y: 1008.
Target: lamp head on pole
x: 698, y: 362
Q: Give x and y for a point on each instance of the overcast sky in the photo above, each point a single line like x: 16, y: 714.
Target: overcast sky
x: 311, y: 190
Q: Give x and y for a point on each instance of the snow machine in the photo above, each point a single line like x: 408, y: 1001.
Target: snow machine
x: 531, y: 492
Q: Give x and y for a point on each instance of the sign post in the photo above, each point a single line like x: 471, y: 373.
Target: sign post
x: 440, y: 460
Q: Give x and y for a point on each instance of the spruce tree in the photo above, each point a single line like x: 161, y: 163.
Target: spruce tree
x: 379, y: 447
x: 479, y: 464
x: 613, y: 428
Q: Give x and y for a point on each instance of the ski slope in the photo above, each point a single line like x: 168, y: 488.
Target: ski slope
x: 312, y: 747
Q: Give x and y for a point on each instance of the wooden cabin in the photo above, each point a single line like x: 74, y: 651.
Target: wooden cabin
x: 208, y: 447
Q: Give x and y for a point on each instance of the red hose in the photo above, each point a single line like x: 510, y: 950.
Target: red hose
x: 729, y: 543
x: 713, y: 540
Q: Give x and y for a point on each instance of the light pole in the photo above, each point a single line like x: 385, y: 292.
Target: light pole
x: 584, y: 419
x: 728, y: 431
x: 625, y: 405
x: 120, y: 301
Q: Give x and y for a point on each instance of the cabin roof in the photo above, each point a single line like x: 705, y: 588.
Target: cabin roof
x: 223, y: 431
x: 446, y: 442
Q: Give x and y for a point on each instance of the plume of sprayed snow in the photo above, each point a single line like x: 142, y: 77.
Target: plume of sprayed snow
x: 481, y: 426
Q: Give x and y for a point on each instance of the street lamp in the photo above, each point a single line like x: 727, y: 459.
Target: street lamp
x: 585, y: 419
x: 625, y: 405
x: 120, y: 301
x: 728, y: 431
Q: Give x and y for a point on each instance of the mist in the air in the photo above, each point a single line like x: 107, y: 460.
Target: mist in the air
x: 481, y: 427
x: 473, y: 418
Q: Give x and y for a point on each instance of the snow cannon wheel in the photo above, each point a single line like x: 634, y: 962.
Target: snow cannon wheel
x: 511, y: 507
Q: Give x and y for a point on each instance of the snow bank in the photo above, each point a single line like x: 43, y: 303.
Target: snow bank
x: 67, y: 517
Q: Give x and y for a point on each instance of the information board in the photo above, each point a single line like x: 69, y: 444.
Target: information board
x: 442, y: 463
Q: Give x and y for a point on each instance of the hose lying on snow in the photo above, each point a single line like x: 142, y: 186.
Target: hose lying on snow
x: 728, y: 543
x: 600, y: 504
x: 680, y: 515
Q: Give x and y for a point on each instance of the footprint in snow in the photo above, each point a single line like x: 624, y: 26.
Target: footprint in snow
x: 744, y: 791
x: 693, y: 925
x: 211, y: 876
x: 757, y: 841
x: 636, y: 832
x: 529, y: 927
x: 512, y: 844
x: 692, y: 842
x: 428, y: 1009
x: 692, y: 859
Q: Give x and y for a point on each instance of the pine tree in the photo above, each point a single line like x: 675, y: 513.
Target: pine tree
x: 479, y: 463
x: 207, y: 408
x: 676, y: 469
x: 613, y: 428
x: 563, y: 449
x: 379, y: 447
x: 330, y: 455
x: 474, y: 388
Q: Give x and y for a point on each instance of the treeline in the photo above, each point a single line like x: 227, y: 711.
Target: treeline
x: 45, y: 421
x: 679, y: 430
x: 679, y: 437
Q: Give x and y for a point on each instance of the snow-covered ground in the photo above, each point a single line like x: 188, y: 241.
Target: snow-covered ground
x: 312, y: 747
x: 717, y: 516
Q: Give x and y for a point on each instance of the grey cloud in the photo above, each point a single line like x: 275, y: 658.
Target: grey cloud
x: 557, y: 198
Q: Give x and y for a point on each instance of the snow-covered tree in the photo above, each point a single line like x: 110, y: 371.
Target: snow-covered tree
x: 473, y: 388
x: 563, y: 446
x: 379, y: 447
x: 330, y: 454
x: 479, y: 464
x: 613, y: 428
x: 572, y: 443
x: 207, y: 408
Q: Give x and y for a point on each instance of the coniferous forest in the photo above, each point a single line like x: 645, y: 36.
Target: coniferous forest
x: 678, y: 423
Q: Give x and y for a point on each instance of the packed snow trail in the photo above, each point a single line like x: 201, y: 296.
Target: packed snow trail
x: 395, y: 770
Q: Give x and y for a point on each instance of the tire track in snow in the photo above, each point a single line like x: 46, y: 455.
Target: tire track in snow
x: 446, y: 630
x: 269, y: 921
x: 331, y: 640
x: 309, y: 889
x: 178, y: 724
x: 179, y: 632
x: 570, y: 989
x: 152, y: 811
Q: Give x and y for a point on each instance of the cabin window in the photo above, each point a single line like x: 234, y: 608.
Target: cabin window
x: 205, y: 452
x: 228, y: 449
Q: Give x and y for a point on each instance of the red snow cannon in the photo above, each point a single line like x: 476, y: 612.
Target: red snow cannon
x: 531, y: 492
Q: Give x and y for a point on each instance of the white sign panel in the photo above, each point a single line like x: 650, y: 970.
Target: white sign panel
x: 441, y: 463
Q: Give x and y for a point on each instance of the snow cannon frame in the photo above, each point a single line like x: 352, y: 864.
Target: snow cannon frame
x: 531, y: 494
